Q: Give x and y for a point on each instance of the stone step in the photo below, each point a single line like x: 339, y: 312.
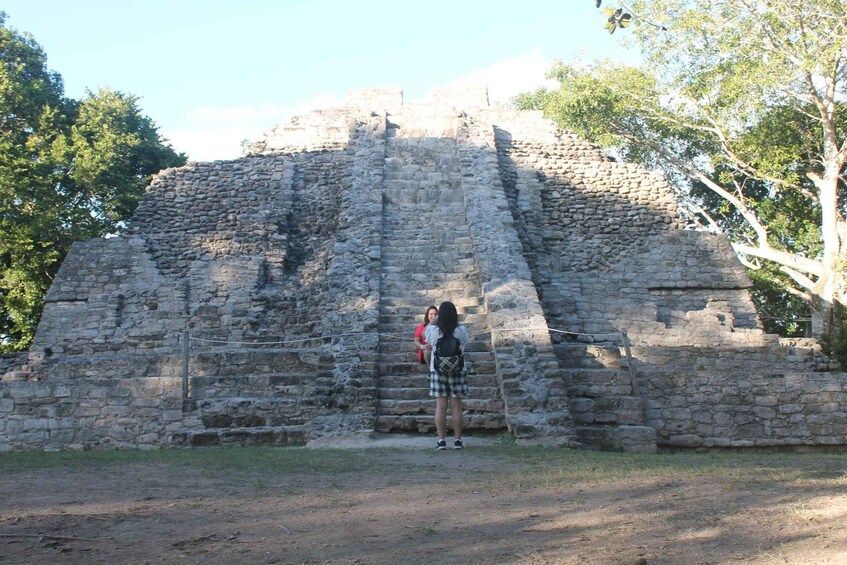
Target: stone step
x: 403, y: 230
x: 428, y: 279
x: 419, y: 378
x: 475, y: 358
x: 426, y: 405
x: 409, y: 368
x: 620, y: 410
x: 468, y: 315
x: 463, y: 267
x: 249, y: 412
x: 438, y: 194
x: 264, y: 435
x: 411, y: 221
x: 413, y: 245
x: 406, y: 328
x: 630, y: 439
x: 425, y: 423
x: 392, y: 341
x: 417, y: 393
x: 254, y: 363
x: 432, y: 262
x: 424, y: 249
x: 590, y: 356
x: 407, y: 295
x: 595, y: 383
x: 272, y: 385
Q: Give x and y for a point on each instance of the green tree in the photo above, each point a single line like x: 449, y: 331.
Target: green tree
x: 742, y: 104
x: 69, y: 170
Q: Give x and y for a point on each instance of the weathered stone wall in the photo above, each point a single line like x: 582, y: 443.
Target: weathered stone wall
x: 745, y: 410
x: 351, y: 320
x: 90, y: 413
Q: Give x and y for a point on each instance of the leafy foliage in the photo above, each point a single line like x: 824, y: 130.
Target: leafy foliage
x: 742, y: 105
x: 621, y: 18
x: 69, y: 170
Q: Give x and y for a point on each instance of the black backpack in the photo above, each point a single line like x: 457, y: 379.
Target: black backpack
x: 448, y: 355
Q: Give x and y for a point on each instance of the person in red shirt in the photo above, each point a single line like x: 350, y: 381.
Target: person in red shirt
x: 424, y: 349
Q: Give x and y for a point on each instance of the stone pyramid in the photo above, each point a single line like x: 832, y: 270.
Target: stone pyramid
x: 273, y: 299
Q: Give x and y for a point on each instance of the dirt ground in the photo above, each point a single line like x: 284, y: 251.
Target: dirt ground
x: 416, y: 505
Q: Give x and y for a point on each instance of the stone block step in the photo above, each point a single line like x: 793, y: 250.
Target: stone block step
x: 589, y: 356
x: 475, y: 358
x: 432, y: 258
x: 630, y: 439
x: 444, y: 263
x: 621, y: 410
x: 423, y: 266
x: 394, y: 243
x: 418, y: 375
x: 420, y: 423
x: 249, y: 412
x: 389, y: 342
x: 431, y: 293
x: 426, y: 405
x: 594, y: 383
x: 480, y: 364
x: 391, y: 323
x: 260, y: 386
x: 413, y: 315
x: 267, y: 435
x: 428, y: 279
x: 416, y: 393
x: 405, y: 228
x: 245, y: 361
x: 402, y: 318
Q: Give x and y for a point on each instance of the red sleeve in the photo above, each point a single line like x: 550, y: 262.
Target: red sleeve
x: 419, y: 333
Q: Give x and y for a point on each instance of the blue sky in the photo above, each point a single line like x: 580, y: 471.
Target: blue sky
x: 213, y: 72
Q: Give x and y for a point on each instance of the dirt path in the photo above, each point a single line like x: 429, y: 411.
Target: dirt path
x: 483, y: 505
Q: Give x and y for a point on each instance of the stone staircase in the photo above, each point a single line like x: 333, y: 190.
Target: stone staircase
x: 263, y: 397
x: 607, y: 411
x: 427, y: 257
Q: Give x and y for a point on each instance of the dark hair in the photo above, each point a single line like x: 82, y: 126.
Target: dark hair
x: 448, y: 318
x: 426, y: 314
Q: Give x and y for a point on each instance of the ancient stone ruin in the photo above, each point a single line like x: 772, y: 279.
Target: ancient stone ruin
x: 273, y: 298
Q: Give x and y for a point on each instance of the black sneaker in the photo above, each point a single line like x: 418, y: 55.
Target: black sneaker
x: 442, y: 444
x: 457, y: 444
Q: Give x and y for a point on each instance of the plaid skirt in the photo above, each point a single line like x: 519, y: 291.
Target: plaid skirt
x: 449, y: 385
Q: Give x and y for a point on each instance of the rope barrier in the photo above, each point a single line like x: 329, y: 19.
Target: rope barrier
x: 286, y: 342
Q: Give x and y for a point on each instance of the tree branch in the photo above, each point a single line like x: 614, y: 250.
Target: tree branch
x: 695, y: 174
x: 800, y: 279
x: 783, y: 258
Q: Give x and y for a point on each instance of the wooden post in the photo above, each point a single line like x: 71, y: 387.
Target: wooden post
x: 629, y: 363
x: 186, y: 337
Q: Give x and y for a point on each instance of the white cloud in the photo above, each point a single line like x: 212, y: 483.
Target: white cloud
x: 509, y: 77
x: 209, y: 134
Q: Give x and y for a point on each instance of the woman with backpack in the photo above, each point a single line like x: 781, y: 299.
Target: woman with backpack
x: 448, y: 378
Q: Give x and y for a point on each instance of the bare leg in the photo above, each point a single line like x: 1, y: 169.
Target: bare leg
x: 427, y: 354
x: 456, y: 414
x: 441, y: 417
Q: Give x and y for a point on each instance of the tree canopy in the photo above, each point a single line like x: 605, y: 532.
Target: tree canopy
x: 69, y: 170
x: 742, y: 104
